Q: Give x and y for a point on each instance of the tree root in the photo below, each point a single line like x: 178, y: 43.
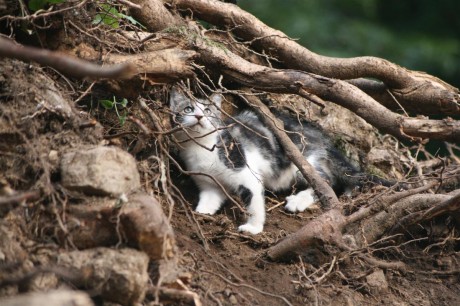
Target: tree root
x: 431, y: 93
x: 448, y: 204
x: 62, y: 62
x: 328, y: 227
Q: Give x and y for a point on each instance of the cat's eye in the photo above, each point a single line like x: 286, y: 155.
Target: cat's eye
x: 207, y: 111
x: 188, y: 110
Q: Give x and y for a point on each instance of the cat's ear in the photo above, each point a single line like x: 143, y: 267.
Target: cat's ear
x: 217, y: 99
x: 176, y: 97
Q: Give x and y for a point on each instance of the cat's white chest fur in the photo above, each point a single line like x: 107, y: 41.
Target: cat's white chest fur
x: 202, y: 156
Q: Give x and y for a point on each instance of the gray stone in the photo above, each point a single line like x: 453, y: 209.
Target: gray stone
x: 377, y: 282
x: 51, y: 298
x: 120, y: 275
x: 100, y: 171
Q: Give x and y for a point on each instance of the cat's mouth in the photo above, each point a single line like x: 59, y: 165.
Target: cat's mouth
x: 199, y: 123
x: 197, y: 127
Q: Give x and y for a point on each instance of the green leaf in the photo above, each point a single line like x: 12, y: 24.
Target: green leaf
x: 36, y: 5
x: 97, y: 19
x: 108, y: 16
x: 106, y: 19
x: 107, y: 104
x: 122, y: 118
x: 124, y: 102
x: 132, y: 20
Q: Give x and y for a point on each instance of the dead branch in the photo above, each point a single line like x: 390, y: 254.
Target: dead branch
x: 328, y: 228
x: 396, y: 265
x: 340, y: 92
x: 154, y: 15
x: 169, y: 64
x: 294, y: 81
x: 448, y: 205
x: 385, y: 202
x: 19, y: 197
x: 381, y: 223
x: 9, y: 202
x: 129, y: 4
x: 324, y: 192
x: 414, y: 90
x: 325, y: 229
x: 69, y: 66
x: 41, y: 14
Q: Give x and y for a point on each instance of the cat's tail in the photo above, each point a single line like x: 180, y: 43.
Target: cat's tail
x: 362, y: 180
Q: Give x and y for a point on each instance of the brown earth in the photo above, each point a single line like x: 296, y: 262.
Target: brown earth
x: 38, y: 122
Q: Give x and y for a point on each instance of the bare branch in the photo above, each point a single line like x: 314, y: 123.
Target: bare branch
x: 9, y: 202
x: 325, y: 229
x: 298, y: 82
x: 409, y: 87
x: 340, y: 92
x: 69, y: 66
x: 449, y: 205
x: 154, y: 15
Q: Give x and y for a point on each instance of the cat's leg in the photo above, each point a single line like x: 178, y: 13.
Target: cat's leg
x: 211, y: 199
x: 252, y: 195
x: 300, y: 201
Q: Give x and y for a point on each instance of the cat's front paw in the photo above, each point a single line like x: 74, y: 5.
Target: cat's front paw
x: 300, y: 201
x: 206, y: 209
x: 250, y: 228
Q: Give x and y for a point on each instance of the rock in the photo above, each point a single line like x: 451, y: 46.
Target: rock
x: 145, y: 224
x: 119, y: 276
x: 140, y: 220
x: 100, y: 171
x: 378, y: 156
x: 53, y: 157
x: 92, y: 223
x: 50, y: 298
x: 377, y: 282
x: 232, y: 299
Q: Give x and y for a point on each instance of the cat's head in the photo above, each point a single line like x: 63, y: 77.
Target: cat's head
x: 198, y: 116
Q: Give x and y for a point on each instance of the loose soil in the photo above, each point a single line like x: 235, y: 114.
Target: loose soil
x: 225, y: 267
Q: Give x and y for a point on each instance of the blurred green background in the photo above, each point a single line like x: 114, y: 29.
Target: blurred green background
x: 418, y: 34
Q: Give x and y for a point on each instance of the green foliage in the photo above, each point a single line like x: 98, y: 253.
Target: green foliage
x: 110, y: 16
x: 36, y: 5
x: 117, y: 106
x: 418, y: 34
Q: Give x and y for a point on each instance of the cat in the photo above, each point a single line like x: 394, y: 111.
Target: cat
x: 244, y: 156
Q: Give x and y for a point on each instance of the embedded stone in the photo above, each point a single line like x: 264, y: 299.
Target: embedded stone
x: 120, y: 275
x: 100, y: 171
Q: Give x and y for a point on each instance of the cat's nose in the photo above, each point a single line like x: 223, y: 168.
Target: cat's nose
x: 198, y: 116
